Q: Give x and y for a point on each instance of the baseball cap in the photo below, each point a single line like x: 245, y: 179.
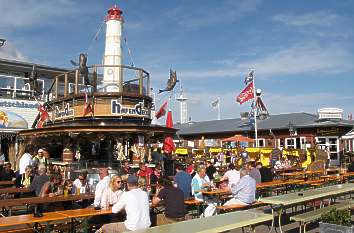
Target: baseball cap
x: 40, y: 150
x: 132, y: 179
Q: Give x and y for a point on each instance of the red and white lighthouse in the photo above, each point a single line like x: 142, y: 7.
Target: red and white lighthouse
x: 113, y: 76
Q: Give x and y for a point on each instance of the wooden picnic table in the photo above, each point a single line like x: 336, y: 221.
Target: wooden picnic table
x: 7, y: 182
x: 279, y: 203
x: 13, y: 190
x: 83, y: 213
x: 54, y: 216
x: 29, y: 219
x: 9, y: 203
x: 218, y: 223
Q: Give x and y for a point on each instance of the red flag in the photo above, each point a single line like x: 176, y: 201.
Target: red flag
x: 87, y: 105
x: 246, y: 94
x: 168, y: 144
x: 162, y: 110
x: 169, y: 122
x: 43, y: 116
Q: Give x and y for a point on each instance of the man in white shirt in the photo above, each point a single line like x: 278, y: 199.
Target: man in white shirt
x: 135, y: 202
x: 26, y: 159
x: 232, y: 175
x: 102, y: 184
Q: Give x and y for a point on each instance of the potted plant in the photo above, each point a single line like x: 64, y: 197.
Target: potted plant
x: 336, y: 221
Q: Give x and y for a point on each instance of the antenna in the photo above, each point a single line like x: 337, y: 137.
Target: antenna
x: 183, y: 105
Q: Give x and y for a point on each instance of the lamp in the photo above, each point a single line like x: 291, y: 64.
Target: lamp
x: 2, y: 42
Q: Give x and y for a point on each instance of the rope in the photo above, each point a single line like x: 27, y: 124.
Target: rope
x: 129, y: 51
x: 95, y: 38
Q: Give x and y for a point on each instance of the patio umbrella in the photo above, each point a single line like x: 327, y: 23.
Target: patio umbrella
x: 238, y: 138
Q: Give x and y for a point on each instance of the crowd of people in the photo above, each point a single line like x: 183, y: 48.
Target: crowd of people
x: 135, y: 191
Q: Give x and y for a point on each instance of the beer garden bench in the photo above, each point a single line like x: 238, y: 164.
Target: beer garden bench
x: 315, y: 215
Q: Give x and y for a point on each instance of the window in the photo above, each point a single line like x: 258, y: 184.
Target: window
x: 261, y: 142
x: 290, y: 143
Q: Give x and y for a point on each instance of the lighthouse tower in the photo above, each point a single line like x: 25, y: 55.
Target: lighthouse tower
x: 183, y: 107
x: 113, y: 76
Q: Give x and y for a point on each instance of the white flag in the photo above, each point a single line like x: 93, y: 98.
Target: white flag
x: 215, y: 103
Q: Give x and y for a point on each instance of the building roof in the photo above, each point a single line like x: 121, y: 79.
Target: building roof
x: 280, y: 121
x: 26, y: 66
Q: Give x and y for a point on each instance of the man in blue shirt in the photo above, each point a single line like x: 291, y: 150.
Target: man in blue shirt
x: 244, y: 192
x: 183, y: 181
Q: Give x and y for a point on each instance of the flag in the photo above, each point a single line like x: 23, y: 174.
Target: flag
x: 215, y: 103
x: 168, y: 144
x: 162, y: 110
x: 87, y: 105
x: 246, y: 94
x: 43, y: 116
x: 169, y: 122
x: 249, y: 77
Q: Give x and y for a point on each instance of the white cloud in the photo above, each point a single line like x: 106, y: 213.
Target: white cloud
x: 31, y: 13
x: 320, y: 18
x: 298, y: 59
x: 9, y: 51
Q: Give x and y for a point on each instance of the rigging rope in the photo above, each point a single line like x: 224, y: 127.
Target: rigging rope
x: 95, y: 38
x: 129, y: 51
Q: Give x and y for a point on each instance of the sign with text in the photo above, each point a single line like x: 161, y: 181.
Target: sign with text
x: 63, y: 113
x: 121, y: 110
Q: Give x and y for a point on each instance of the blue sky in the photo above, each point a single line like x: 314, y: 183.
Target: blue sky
x: 302, y: 51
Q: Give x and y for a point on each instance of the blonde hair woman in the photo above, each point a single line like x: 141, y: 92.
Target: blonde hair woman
x: 112, y: 193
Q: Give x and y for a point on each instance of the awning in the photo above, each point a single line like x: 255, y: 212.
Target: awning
x: 238, y: 138
x: 181, y: 151
x: 215, y: 150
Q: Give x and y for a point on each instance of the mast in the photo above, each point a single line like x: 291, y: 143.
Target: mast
x: 255, y: 109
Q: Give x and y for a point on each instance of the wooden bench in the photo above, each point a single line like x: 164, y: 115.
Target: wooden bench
x: 314, y: 215
x: 229, y: 208
x: 194, y: 204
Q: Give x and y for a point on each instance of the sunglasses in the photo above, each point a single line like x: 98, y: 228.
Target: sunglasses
x: 118, y: 181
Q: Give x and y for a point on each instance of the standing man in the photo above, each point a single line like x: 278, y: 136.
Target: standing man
x: 26, y: 159
x: 210, y: 170
x: 135, y: 202
x: 183, y: 181
x: 39, y: 159
x: 102, y: 184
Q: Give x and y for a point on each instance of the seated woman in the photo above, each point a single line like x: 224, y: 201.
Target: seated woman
x: 112, y: 193
x: 24, y: 181
x: 26, y: 178
x: 52, y: 187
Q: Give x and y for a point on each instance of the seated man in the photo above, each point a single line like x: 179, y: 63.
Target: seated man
x: 201, y: 181
x: 135, y: 202
x: 7, y: 174
x: 80, y: 185
x: 101, y: 185
x: 173, y: 199
x: 244, y: 192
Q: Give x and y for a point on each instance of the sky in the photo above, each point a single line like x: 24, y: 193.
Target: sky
x: 302, y: 51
